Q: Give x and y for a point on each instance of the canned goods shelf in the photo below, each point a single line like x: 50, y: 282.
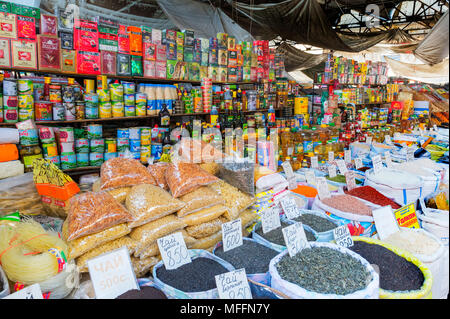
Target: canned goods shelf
x: 81, y: 169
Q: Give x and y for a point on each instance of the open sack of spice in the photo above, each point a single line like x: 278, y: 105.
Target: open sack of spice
x: 240, y: 173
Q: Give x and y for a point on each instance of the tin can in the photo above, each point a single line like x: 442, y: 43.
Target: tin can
x: 91, y: 99
x: 89, y: 85
x: 25, y: 101
x: 66, y: 135
x: 135, y: 145
x: 95, y: 159
x: 70, y: 111
x: 68, y: 161
x: 157, y: 149
x: 38, y: 94
x: 26, y: 114
x: 43, y: 111
x: 128, y: 100
x: 59, y: 112
x: 110, y: 145
x: 10, y: 101
x: 103, y: 96
x: 29, y: 137
x: 54, y: 159
x: 130, y: 111
x: 116, y: 92
x: 146, y: 136
x: 46, y: 135
x: 129, y: 87
x: 50, y: 149
x: 11, y: 114
x: 97, y: 145
x: 108, y: 156
x: 79, y: 110
x: 146, y: 151
x: 91, y: 112
x: 135, y: 133
x: 141, y: 104
x: 94, y: 131
x: 25, y: 87
x: 67, y: 148
x: 123, y: 132
x: 68, y: 94
x: 117, y: 109
x: 10, y: 87
x: 82, y: 159
x: 55, y: 93
x: 123, y: 144
x: 82, y: 145
x: 102, y: 82
x: 105, y: 110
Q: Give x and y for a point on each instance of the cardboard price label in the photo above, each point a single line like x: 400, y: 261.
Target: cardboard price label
x: 342, y: 166
x: 406, y: 216
x: 377, y: 164
x: 350, y: 180
x: 270, y: 219
x: 369, y: 140
x: 290, y: 207
x: 332, y: 171
x: 322, y: 188
x: 287, y: 169
x: 314, y: 162
x: 295, y: 238
x: 342, y: 236
x: 30, y: 292
x: 173, y: 251
x: 233, y: 285
x: 409, y: 154
x: 358, y: 163
x: 387, y: 157
x: 310, y: 177
x: 330, y: 156
x: 385, y: 222
x: 232, y: 234
x: 112, y: 274
x: 292, y: 183
x: 348, y: 156
x: 387, y: 139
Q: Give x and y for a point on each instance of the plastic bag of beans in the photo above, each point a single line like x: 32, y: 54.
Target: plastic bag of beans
x: 158, y: 171
x: 206, y: 229
x: 199, y: 199
x: 207, y: 242
x: 141, y: 266
x: 122, y: 172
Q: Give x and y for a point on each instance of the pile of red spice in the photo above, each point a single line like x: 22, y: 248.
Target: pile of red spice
x: 370, y: 194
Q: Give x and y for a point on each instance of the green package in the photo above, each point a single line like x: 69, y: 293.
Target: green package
x: 136, y: 66
x: 180, y: 52
x: 188, y: 54
x: 170, y: 70
x: 194, y: 71
x: 5, y: 6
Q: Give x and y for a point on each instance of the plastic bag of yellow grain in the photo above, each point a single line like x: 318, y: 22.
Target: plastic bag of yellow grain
x: 248, y: 218
x: 153, y: 249
x: 79, y: 246
x: 423, y: 293
x: 261, y: 171
x: 208, y: 242
x: 235, y: 200
x: 147, y: 203
x: 143, y: 266
x: 204, y: 215
x: 212, y: 168
x: 201, y: 198
x: 124, y: 241
x: 206, y: 229
x: 149, y: 233
x: 119, y: 194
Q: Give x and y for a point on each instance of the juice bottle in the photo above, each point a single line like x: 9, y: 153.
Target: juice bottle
x: 324, y: 134
x: 298, y: 145
x: 320, y: 152
x: 315, y: 137
x: 307, y: 141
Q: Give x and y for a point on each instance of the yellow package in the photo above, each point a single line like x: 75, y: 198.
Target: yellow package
x: 204, y: 215
x: 207, y: 242
x: 201, y: 198
x: 206, y: 229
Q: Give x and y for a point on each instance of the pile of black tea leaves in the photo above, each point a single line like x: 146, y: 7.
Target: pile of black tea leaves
x: 145, y: 292
x: 276, y: 235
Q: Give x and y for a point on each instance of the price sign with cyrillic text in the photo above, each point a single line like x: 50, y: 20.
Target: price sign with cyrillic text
x: 358, y: 163
x: 290, y: 207
x: 270, y: 219
x: 232, y: 234
x: 322, y: 188
x: 377, y: 164
x: 342, y: 236
x: 385, y: 222
x: 342, y: 166
x: 331, y: 171
x: 387, y: 139
x: 295, y: 238
x: 233, y: 285
x: 348, y: 156
x: 330, y: 156
x: 287, y: 169
x: 31, y: 292
x: 350, y: 180
x: 173, y: 251
x: 314, y: 162
x: 388, y: 160
x: 310, y: 177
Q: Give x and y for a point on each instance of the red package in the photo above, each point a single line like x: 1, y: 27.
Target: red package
x: 161, y: 68
x: 161, y: 52
x: 49, y: 25
x: 49, y: 53
x: 26, y: 28
x: 123, y: 40
x: 8, y: 25
x: 135, y: 36
x: 85, y: 36
x: 109, y: 62
x: 149, y: 69
x: 150, y: 51
x: 88, y: 62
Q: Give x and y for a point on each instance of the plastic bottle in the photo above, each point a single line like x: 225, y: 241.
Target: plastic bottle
x: 214, y: 115
x: 159, y: 96
x: 271, y: 121
x: 151, y: 99
x: 168, y: 97
x: 307, y: 141
x: 164, y: 116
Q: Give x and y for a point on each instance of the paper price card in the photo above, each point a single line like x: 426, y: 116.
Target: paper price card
x: 387, y: 157
x: 232, y: 234
x: 112, y: 274
x: 290, y: 207
x: 330, y: 156
x: 342, y: 166
x: 358, y: 163
x: 314, y: 162
x: 350, y: 180
x: 377, y: 164
x: 310, y: 177
x: 385, y: 222
x: 409, y: 154
x: 348, y: 156
x: 295, y: 238
x: 30, y: 292
x: 369, y: 140
x: 270, y: 219
x: 292, y: 183
x: 387, y: 139
x: 406, y: 216
x: 342, y: 236
x: 322, y: 188
x: 332, y: 171
x: 173, y: 251
x: 233, y: 285
x: 287, y: 169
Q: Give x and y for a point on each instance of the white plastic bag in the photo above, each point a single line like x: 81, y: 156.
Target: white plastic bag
x: 4, y: 282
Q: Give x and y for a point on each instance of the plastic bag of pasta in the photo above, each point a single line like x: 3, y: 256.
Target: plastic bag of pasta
x: 153, y: 249
x: 122, y: 172
x: 206, y: 229
x: 143, y: 266
x: 90, y: 213
x: 201, y: 198
x: 149, y: 202
x: 204, y: 215
x: 207, y: 242
x: 158, y: 171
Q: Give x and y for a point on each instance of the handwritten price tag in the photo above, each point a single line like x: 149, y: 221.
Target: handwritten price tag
x: 342, y: 166
x: 342, y: 236
x: 350, y: 180
x: 409, y: 154
x: 358, y: 163
x: 287, y: 169
x: 314, y: 162
x: 385, y: 221
x: 387, y: 139
x: 330, y: 156
x: 270, y: 219
x: 377, y: 164
x: 348, y: 156
x: 322, y: 188
x: 30, y: 292
x: 233, y: 285
x: 290, y: 207
x: 387, y: 157
x: 332, y: 171
x: 232, y: 234
x: 173, y: 251
x: 369, y: 140
x: 292, y: 183
x: 310, y: 177
x: 295, y: 238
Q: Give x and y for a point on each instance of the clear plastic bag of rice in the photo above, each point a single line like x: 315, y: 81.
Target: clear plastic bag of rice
x: 240, y: 175
x: 147, y: 203
x: 206, y: 229
x: 204, y: 215
x: 121, y: 172
x: 158, y: 171
x: 120, y: 194
x: 201, y: 198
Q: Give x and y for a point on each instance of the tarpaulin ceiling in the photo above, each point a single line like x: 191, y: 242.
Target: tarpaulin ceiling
x: 420, y: 72
x: 295, y: 59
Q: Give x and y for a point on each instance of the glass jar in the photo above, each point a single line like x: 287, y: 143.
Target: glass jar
x: 29, y: 154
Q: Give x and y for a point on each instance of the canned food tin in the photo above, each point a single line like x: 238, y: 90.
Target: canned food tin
x: 117, y: 109
x: 46, y: 135
x: 38, y: 94
x: 25, y: 101
x: 123, y: 133
x: 25, y: 86
x: 82, y: 145
x: 59, y: 112
x: 11, y: 115
x: 129, y: 87
x: 54, y: 159
x: 82, y: 159
x: 135, y: 133
x: 70, y: 111
x: 97, y: 145
x: 103, y: 95
x: 146, y: 136
x: 91, y: 99
x: 10, y: 87
x: 91, y: 112
x: 50, y: 150
x: 10, y: 101
x: 68, y: 94
x: 135, y: 145
x: 141, y: 104
x: 110, y: 145
x: 123, y: 144
x: 55, y: 93
x: 67, y: 148
x: 157, y: 149
x: 43, y: 111
x: 146, y: 151
x: 79, y: 110
x: 29, y: 137
x: 95, y: 159
x: 94, y: 131
x: 108, y: 156
x: 130, y: 111
x: 68, y: 161
x: 128, y: 100
x: 66, y: 135
x: 105, y: 110
x: 89, y: 85
x: 26, y: 114
x: 116, y: 92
